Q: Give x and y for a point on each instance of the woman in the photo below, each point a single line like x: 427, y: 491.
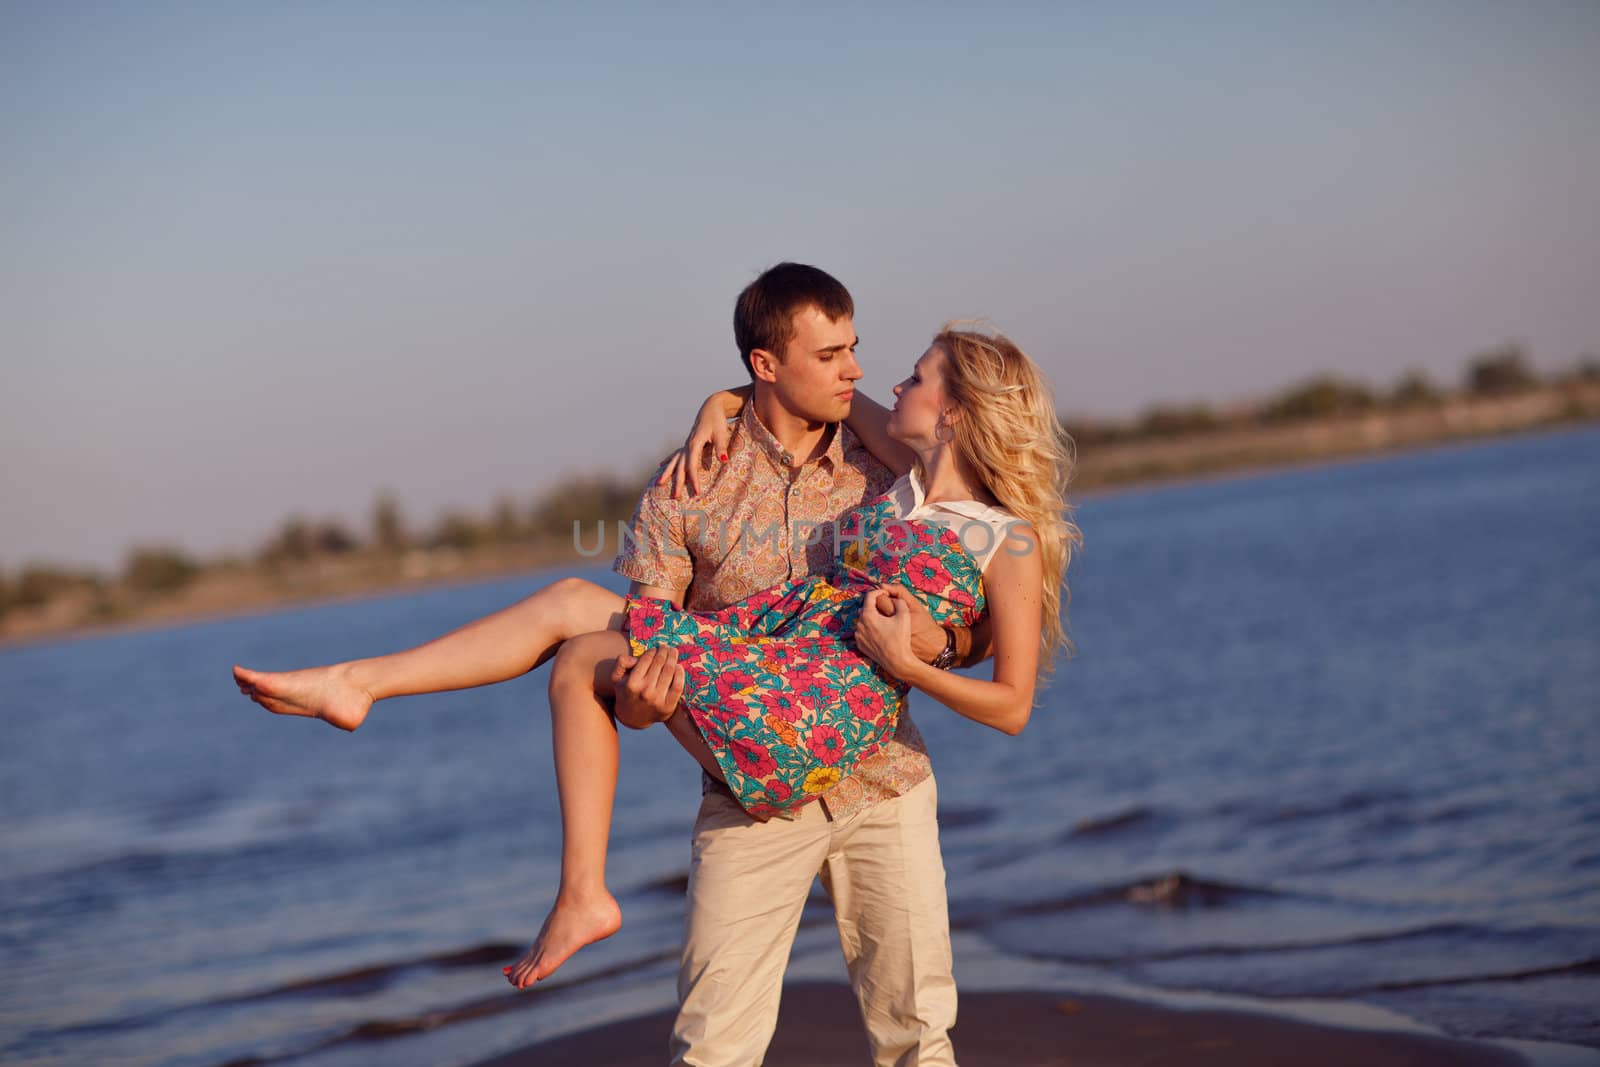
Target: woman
x: 777, y: 698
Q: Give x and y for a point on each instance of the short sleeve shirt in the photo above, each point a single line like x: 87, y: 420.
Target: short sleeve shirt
x: 765, y: 520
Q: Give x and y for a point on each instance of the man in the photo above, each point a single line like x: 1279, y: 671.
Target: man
x: 792, y: 468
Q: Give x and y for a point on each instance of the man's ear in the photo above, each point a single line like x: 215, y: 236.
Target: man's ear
x: 763, y: 364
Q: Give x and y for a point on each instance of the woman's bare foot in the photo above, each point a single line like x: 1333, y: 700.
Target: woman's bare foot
x: 326, y: 693
x: 575, y: 921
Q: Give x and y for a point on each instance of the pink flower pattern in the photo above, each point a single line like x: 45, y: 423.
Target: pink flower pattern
x: 789, y: 651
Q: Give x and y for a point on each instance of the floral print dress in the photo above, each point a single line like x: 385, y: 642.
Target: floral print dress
x: 775, y: 684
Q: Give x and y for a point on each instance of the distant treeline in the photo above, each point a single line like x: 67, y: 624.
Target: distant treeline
x: 391, y: 547
x: 299, y: 543
x: 1501, y: 372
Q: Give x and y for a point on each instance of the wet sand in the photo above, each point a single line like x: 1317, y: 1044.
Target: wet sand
x: 819, y: 1026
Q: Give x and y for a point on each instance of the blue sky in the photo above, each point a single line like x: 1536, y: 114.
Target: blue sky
x: 258, y: 259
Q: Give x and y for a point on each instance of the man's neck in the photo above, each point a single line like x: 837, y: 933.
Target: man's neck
x: 802, y: 438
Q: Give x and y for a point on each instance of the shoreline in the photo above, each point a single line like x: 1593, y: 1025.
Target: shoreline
x: 1108, y: 470
x: 819, y: 1023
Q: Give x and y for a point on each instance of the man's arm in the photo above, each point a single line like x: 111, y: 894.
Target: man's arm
x: 657, y: 563
x: 975, y: 645
x: 658, y: 592
x: 869, y: 420
x: 648, y: 687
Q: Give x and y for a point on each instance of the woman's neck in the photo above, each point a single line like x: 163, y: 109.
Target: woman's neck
x: 945, y: 477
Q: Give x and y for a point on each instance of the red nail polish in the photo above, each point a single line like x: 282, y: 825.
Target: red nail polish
x: 724, y: 457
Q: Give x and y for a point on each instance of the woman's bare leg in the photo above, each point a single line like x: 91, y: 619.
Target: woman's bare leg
x: 495, y: 648
x: 585, y: 745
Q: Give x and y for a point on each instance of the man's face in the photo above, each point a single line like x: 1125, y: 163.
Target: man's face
x: 816, y: 379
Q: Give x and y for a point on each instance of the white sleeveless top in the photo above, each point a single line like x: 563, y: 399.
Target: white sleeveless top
x: 982, y: 529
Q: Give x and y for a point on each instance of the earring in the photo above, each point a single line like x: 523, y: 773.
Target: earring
x: 943, y: 432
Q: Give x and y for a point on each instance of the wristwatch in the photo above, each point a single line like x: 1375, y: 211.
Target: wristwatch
x: 947, y: 659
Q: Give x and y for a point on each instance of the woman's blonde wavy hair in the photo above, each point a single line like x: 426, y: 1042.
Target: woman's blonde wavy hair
x: 1012, y: 438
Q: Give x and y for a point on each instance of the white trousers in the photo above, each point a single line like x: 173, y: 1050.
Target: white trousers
x: 748, y: 883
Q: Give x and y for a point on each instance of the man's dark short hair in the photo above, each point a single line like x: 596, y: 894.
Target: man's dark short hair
x: 763, y: 317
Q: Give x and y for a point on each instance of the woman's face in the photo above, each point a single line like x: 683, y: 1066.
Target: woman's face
x: 919, y: 400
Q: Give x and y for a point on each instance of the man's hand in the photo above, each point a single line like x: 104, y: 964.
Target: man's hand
x: 884, y: 630
x: 648, y: 688
x: 927, y: 636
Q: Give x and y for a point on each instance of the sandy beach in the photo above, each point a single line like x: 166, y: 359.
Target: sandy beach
x: 819, y: 1026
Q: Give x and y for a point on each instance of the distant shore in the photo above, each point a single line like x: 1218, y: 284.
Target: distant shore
x: 244, y: 588
x: 1454, y: 419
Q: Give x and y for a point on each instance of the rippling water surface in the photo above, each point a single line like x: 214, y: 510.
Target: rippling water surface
x: 1331, y: 734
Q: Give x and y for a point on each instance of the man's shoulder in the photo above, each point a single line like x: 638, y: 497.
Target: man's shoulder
x: 721, y: 485
x: 655, y: 494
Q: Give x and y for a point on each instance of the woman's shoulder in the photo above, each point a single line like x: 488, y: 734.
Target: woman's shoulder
x: 1014, y: 559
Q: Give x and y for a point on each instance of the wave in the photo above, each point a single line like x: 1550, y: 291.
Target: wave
x: 373, y: 1030
x: 1342, y: 804
x: 371, y: 978
x: 1174, y: 889
x: 1586, y: 967
x: 1102, y: 825
x: 962, y: 818
x: 1263, y: 948
x: 1379, y: 940
x: 1379, y: 937
x: 1589, y: 966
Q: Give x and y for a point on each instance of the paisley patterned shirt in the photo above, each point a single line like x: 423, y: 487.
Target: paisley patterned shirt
x: 762, y: 521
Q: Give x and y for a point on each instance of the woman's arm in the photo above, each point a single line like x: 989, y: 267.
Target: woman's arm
x: 1013, y: 583
x: 869, y: 420
x: 710, y: 431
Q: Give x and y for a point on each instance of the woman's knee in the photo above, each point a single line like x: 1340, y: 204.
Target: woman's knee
x: 581, y: 605
x: 573, y: 663
x: 581, y: 659
x: 568, y: 593
x: 573, y: 586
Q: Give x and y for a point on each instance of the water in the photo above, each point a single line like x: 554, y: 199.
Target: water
x: 1331, y: 734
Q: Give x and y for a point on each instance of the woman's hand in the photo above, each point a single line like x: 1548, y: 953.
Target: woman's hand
x: 707, y: 440
x: 674, y: 471
x: 883, y: 632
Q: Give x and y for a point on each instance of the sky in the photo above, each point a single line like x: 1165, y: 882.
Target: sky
x: 262, y: 259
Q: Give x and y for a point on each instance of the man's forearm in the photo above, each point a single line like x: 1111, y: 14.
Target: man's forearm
x: 951, y: 650
x: 929, y: 639
x: 968, y: 649
x: 963, y: 643
x: 975, y: 645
